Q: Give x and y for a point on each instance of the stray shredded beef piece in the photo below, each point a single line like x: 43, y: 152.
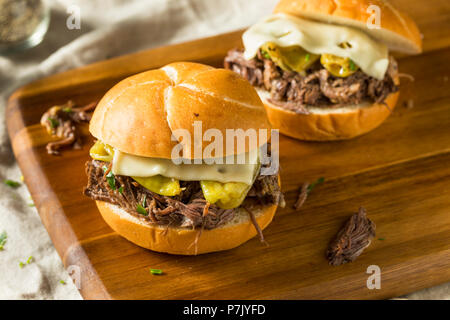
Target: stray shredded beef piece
x: 256, y: 225
x: 303, y: 194
x: 61, y: 121
x: 317, y: 87
x: 352, y: 239
x: 188, y: 209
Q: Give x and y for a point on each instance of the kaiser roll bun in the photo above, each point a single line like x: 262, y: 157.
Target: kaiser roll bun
x: 185, y: 241
x: 397, y: 30
x: 139, y: 115
x: 325, y: 124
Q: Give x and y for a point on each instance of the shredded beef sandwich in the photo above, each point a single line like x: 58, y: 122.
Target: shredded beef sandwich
x: 321, y: 70
x: 316, y: 87
x: 187, y: 209
x: 152, y: 188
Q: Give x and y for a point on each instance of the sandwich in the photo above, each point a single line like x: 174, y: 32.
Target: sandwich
x: 148, y: 172
x: 323, y: 68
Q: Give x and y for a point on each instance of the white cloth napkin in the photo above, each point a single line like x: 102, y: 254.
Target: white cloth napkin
x: 108, y: 28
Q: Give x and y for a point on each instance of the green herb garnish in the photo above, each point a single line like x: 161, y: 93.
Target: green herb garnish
x: 381, y: 238
x: 265, y: 54
x: 11, y: 183
x: 21, y: 264
x: 352, y: 65
x: 141, y: 208
x: 315, y: 183
x: 110, y: 178
x: 53, y: 122
x: 62, y: 282
x: 156, y: 271
x: 67, y: 110
x: 120, y: 189
x: 30, y: 259
x: 3, y: 239
x: 307, y: 57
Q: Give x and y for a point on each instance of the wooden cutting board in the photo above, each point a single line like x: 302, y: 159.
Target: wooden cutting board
x: 400, y: 172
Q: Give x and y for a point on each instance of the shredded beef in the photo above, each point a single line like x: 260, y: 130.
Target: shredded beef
x: 352, y: 239
x: 303, y: 194
x: 61, y: 121
x: 188, y: 209
x: 317, y: 87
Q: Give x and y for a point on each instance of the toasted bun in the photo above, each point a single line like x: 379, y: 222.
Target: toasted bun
x: 324, y: 124
x: 140, y: 114
x: 397, y: 30
x: 182, y: 240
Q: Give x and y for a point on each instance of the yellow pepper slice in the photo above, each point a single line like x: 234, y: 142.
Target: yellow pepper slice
x: 225, y: 195
x: 293, y: 58
x: 338, y: 66
x: 101, y: 151
x: 160, y: 185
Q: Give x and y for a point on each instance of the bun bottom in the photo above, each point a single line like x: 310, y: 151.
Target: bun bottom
x: 181, y: 240
x: 325, y: 124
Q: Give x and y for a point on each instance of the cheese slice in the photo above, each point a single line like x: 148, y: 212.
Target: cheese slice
x: 319, y: 38
x: 137, y: 166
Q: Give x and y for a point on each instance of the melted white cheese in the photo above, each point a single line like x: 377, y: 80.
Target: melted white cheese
x: 318, y: 38
x: 136, y: 166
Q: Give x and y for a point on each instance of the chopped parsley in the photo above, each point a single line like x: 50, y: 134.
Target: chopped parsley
x: 110, y: 178
x: 67, y: 110
x: 381, y: 239
x: 141, y: 208
x: 307, y: 57
x: 265, y: 54
x: 11, y: 183
x: 315, y: 183
x: 120, y: 189
x: 62, y: 282
x: 53, y: 122
x: 29, y: 260
x: 352, y: 65
x: 3, y: 239
x: 156, y: 271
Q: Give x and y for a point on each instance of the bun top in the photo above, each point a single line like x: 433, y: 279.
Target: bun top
x: 139, y: 115
x: 397, y: 30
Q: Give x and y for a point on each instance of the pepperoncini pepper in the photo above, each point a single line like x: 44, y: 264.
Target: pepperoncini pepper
x: 338, y: 66
x: 293, y: 58
x: 225, y: 195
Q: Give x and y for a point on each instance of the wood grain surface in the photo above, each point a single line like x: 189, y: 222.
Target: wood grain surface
x: 400, y: 172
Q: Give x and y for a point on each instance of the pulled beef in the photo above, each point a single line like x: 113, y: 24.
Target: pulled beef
x: 61, y: 121
x: 252, y: 70
x: 302, y: 195
x: 317, y: 87
x: 188, y: 209
x: 352, y: 239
